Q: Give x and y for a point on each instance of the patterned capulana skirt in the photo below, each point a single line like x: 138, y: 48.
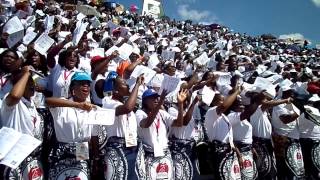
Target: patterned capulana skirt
x: 155, y: 168
x: 224, y: 161
x: 30, y: 168
x: 64, y: 165
x: 311, y: 156
x: 249, y: 168
x: 289, y: 157
x: 186, y: 165
x: 265, y: 160
x: 120, y: 162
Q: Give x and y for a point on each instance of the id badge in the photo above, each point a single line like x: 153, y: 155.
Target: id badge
x: 82, y: 151
x: 131, y: 139
x: 65, y: 92
x: 157, y: 149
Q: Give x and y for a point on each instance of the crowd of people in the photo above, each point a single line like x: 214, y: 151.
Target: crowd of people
x: 185, y: 101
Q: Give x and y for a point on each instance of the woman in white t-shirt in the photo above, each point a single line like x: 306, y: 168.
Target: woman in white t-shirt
x: 18, y: 112
x: 242, y: 136
x: 70, y: 156
x: 261, y: 132
x: 224, y: 161
x: 310, y: 138
x: 183, y: 140
x: 120, y: 148
x: 287, y: 148
x: 154, y: 125
x: 60, y: 74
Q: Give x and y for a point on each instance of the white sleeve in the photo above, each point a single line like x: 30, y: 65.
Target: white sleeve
x: 167, y: 117
x: 140, y: 115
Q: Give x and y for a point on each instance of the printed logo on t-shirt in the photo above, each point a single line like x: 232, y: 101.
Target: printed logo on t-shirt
x: 162, y: 171
x: 35, y: 173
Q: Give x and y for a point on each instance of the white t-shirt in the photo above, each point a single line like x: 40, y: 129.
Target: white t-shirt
x: 261, y: 125
x: 151, y: 135
x: 288, y: 130
x: 242, y: 130
x: 70, y: 126
x: 308, y: 129
x: 59, y: 81
x: 189, y: 132
x: 22, y: 117
x: 123, y: 123
x: 95, y: 98
x: 218, y: 127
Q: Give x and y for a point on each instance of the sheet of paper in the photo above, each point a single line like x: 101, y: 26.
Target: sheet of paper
x: 97, y: 52
x: 124, y: 32
x: 78, y: 32
x: 25, y: 145
x: 207, y: 95
x: 95, y: 23
x: 224, y: 78
x: 14, y: 38
x: 111, y: 26
x: 203, y: 59
x: 80, y: 16
x: 49, y: 21
x: 29, y: 37
x: 125, y: 51
x: 111, y: 50
x: 264, y: 84
x: 167, y: 55
x: 151, y: 48
x: 169, y: 83
x: 13, y: 25
x: 15, y: 29
x: 148, y: 73
x: 134, y: 37
x: 43, y: 43
x: 8, y: 138
x: 153, y: 61
x: 99, y: 117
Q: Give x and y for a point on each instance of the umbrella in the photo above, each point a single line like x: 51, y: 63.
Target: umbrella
x: 268, y: 36
x: 133, y: 8
x: 88, y: 10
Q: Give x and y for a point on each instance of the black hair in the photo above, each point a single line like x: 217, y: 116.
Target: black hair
x: 43, y: 62
x: 1, y: 58
x: 64, y: 55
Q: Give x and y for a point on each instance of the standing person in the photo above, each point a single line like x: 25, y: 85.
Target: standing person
x: 154, y: 124
x: 242, y: 136
x: 310, y: 140
x: 121, y: 146
x: 219, y: 129
x: 70, y: 155
x: 61, y: 73
x: 286, y: 138
x: 183, y: 141
x: 18, y: 112
x: 10, y: 63
x: 261, y: 132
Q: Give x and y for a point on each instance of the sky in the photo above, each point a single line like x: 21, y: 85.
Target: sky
x: 254, y: 17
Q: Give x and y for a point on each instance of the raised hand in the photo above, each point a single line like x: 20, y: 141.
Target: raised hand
x: 182, y: 96
x: 140, y: 80
x: 86, y: 106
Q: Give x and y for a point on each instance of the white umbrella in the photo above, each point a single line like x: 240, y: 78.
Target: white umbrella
x: 88, y: 10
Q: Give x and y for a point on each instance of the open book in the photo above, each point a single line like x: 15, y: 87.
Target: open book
x: 15, y: 147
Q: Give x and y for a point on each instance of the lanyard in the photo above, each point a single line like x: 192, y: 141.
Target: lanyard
x: 65, y: 76
x: 3, y: 82
x: 157, y: 125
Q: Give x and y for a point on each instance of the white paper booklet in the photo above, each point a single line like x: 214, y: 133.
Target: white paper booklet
x: 15, y: 147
